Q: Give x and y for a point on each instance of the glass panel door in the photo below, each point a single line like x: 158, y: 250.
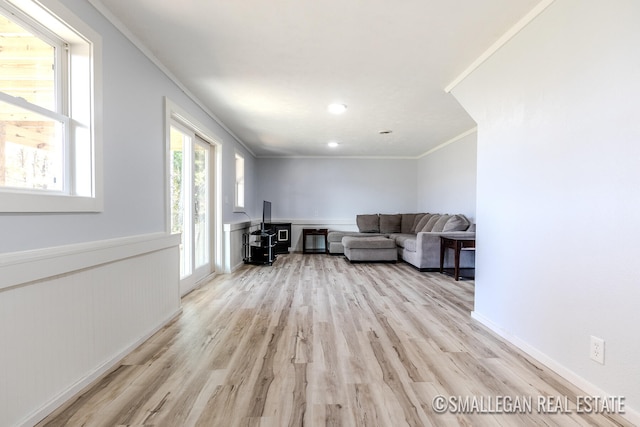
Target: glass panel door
x: 189, y: 194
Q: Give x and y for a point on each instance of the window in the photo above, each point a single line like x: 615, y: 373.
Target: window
x: 239, y: 202
x: 49, y: 144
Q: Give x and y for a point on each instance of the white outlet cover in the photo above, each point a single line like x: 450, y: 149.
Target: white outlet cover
x: 596, y: 351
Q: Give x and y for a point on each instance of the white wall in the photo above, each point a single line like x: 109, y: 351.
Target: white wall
x: 330, y: 189
x: 558, y: 178
x: 447, y: 179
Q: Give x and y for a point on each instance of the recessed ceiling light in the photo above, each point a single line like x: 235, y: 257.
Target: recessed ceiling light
x: 333, y: 144
x: 337, y: 108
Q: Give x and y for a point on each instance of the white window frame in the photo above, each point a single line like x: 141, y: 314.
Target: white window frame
x: 81, y: 107
x: 240, y: 189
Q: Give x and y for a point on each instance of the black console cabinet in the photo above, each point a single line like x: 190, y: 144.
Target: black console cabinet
x: 259, y: 247
x: 283, y: 236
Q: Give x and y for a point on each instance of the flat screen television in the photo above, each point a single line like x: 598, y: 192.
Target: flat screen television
x: 266, y: 216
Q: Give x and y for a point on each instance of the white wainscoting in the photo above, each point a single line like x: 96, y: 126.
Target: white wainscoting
x: 69, y: 314
x: 233, y: 251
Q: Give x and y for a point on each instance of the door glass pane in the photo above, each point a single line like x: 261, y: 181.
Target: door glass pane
x: 189, y: 190
x: 180, y: 198
x: 201, y: 203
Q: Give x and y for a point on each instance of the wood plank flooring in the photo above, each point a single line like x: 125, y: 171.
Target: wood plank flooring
x: 316, y: 341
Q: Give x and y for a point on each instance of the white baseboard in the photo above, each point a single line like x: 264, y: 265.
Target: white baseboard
x: 591, y: 389
x: 236, y: 267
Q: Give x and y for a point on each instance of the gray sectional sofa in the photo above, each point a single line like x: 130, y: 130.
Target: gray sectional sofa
x: 416, y: 235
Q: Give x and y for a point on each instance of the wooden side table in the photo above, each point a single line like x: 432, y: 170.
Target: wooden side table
x: 314, y: 232
x: 458, y: 244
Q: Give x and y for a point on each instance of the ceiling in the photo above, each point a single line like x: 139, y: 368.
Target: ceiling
x: 267, y: 70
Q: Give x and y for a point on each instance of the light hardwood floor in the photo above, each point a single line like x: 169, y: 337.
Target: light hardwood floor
x: 314, y: 340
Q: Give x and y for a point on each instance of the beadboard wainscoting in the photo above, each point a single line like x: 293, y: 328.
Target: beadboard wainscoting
x: 68, y: 314
x: 233, y: 250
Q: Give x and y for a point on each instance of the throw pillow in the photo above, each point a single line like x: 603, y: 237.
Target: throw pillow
x: 421, y: 221
x: 390, y: 223
x: 415, y: 222
x: 431, y: 222
x: 368, y: 223
x: 456, y: 223
x: 407, y: 222
x: 439, y: 225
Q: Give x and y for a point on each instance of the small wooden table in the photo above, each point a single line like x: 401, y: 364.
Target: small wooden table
x: 314, y: 232
x: 458, y: 244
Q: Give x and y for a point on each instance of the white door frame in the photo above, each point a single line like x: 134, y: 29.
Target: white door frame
x: 176, y: 115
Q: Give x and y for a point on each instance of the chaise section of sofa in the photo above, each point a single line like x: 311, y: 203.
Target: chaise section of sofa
x: 334, y: 239
x: 416, y: 235
x: 369, y: 225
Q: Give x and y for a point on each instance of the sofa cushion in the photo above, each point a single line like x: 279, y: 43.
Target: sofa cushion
x: 368, y: 223
x: 406, y: 241
x: 410, y: 244
x: 376, y: 242
x: 416, y: 221
x: 439, y: 225
x: 428, y: 226
x: 390, y: 223
x: 407, y: 222
x: 364, y: 249
x: 423, y: 221
x: 456, y: 223
x: 401, y: 238
x: 336, y: 236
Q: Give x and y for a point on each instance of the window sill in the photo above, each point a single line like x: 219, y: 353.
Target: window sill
x: 22, y: 202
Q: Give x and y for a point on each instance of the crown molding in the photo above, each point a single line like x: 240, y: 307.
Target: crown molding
x: 342, y: 157
x: 451, y: 141
x: 503, y: 40
x: 426, y: 153
x: 119, y: 25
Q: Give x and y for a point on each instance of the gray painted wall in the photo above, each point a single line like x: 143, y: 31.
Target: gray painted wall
x: 330, y: 189
x: 338, y: 189
x: 447, y: 179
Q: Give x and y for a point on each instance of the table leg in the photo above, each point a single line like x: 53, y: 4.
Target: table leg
x: 456, y: 273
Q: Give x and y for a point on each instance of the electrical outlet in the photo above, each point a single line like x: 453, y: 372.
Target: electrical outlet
x: 597, y: 350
